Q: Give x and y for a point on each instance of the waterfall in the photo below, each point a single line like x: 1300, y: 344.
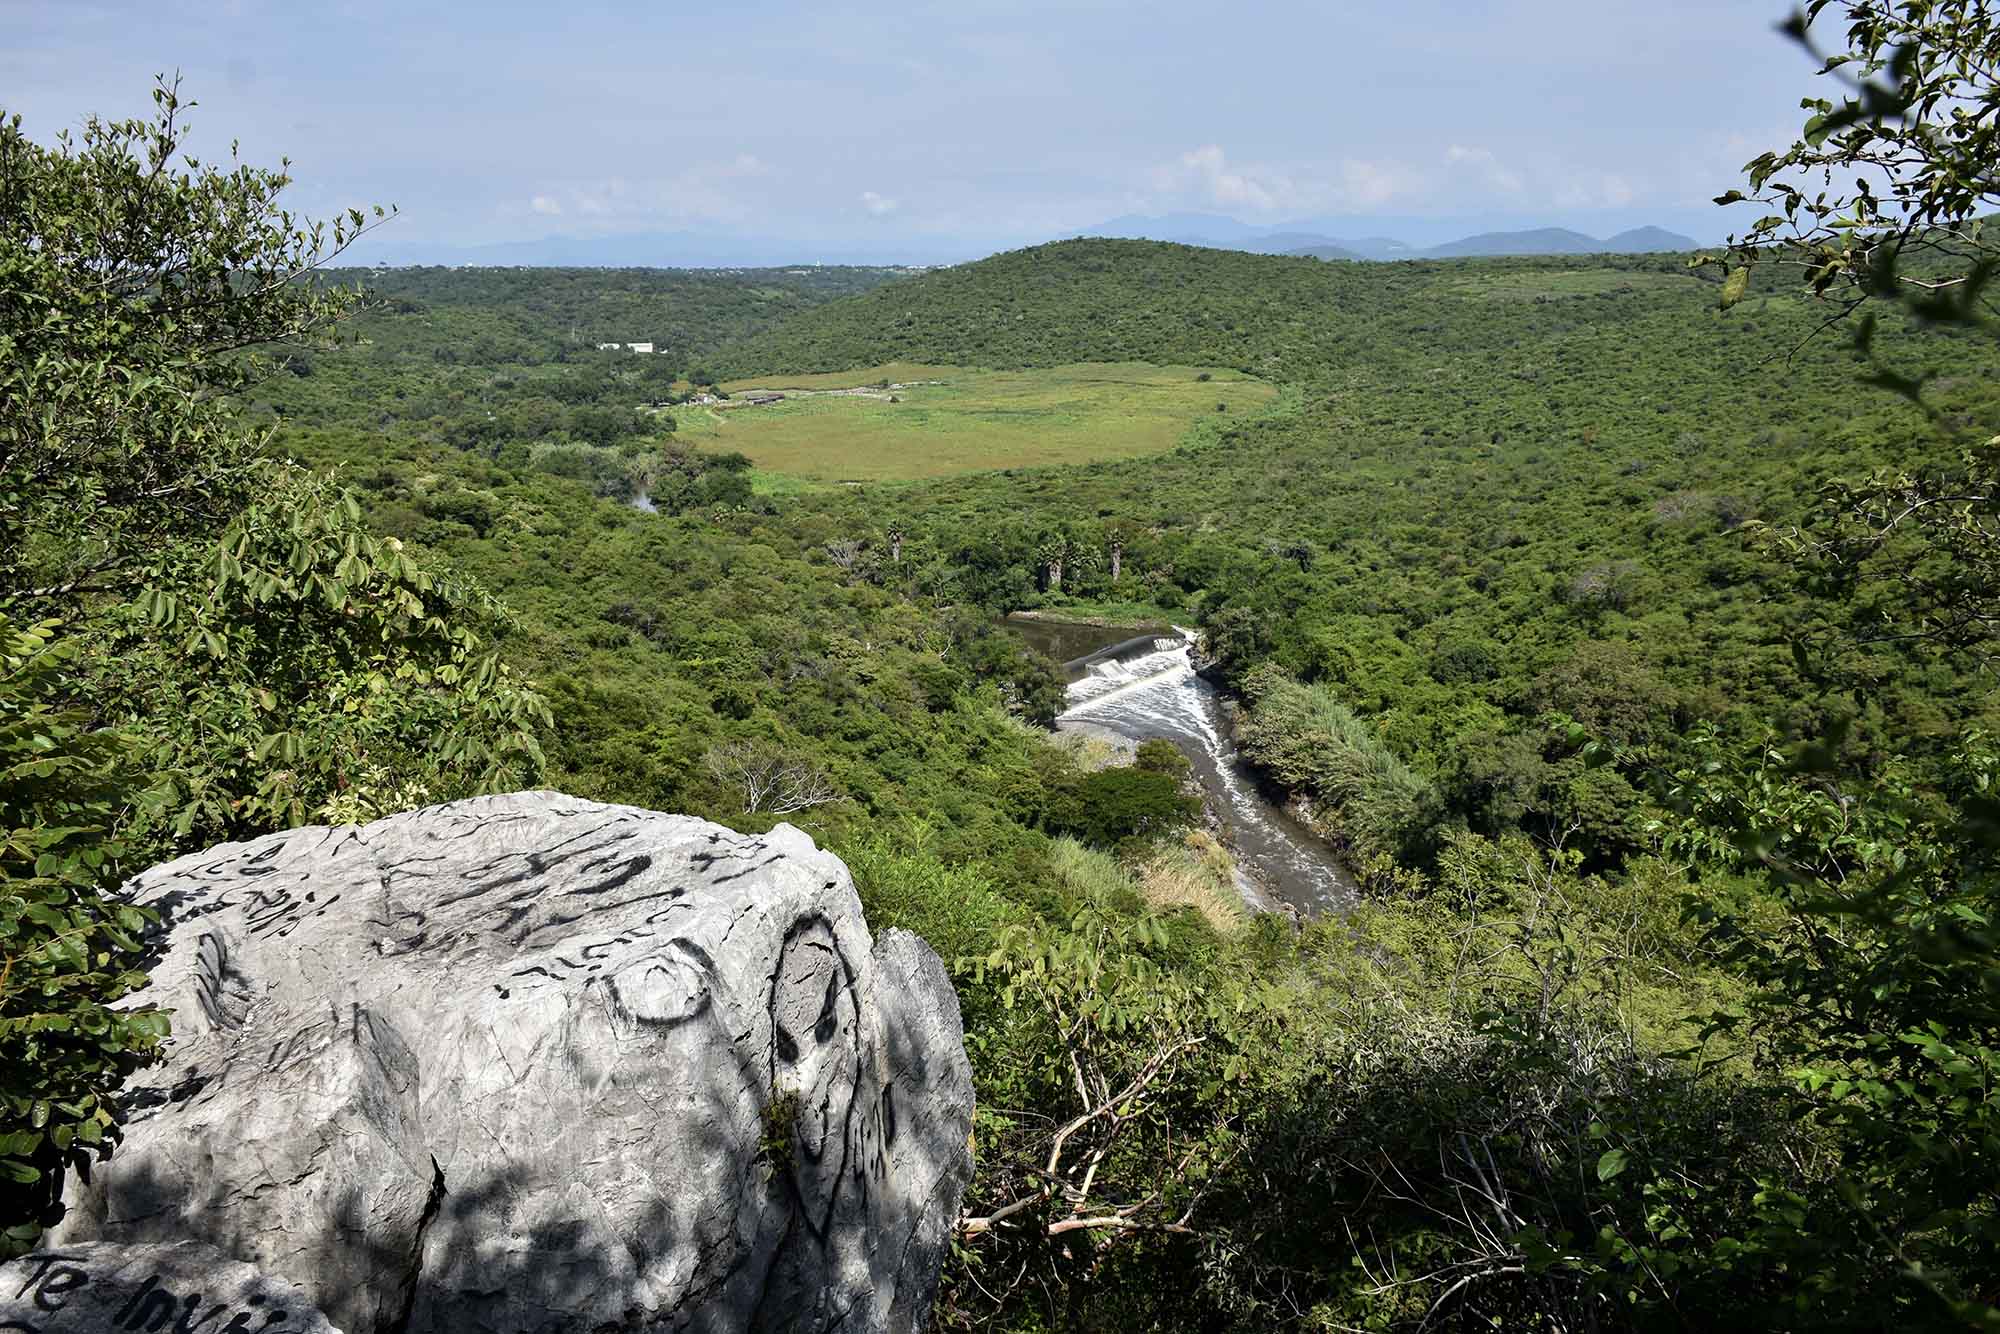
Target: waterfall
x: 1143, y: 692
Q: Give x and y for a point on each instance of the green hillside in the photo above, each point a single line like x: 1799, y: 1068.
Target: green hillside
x: 684, y: 313
x: 1091, y: 300
x: 1493, y: 568
x: 1284, y: 317
x: 1551, y: 593
x: 1493, y: 475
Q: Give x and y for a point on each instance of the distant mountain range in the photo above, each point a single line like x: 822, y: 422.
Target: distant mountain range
x: 681, y: 250
x: 1320, y: 238
x: 1562, y: 241
x: 1293, y: 239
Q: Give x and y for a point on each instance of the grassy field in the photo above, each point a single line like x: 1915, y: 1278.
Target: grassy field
x: 973, y: 421
x: 896, y: 372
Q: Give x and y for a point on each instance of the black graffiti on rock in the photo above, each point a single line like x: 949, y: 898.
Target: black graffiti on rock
x: 520, y: 897
x: 675, y: 986
x: 58, y: 1283
x: 525, y: 904
x: 708, y: 862
x: 275, y: 888
x: 373, y: 1038
x: 593, y: 955
x: 220, y: 989
x: 818, y: 1054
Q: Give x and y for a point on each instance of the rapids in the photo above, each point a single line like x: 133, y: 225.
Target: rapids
x: 1148, y: 688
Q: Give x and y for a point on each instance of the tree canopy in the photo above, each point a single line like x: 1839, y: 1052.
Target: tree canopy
x: 227, y: 628
x: 1632, y: 648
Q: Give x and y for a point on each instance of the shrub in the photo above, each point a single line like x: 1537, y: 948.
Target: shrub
x: 1312, y: 744
x: 1112, y: 805
x: 67, y: 950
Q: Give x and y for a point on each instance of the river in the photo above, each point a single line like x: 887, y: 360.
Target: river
x: 1068, y: 642
x: 1146, y: 687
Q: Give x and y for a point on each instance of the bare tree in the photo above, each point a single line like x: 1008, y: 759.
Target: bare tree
x: 845, y: 553
x: 1130, y: 1041
x: 769, y: 780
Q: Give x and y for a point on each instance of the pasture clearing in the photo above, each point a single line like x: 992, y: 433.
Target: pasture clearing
x: 976, y: 420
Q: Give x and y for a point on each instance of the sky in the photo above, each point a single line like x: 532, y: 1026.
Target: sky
x: 926, y: 130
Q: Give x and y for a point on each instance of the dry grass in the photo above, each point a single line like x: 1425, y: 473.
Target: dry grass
x: 1089, y: 751
x: 1198, y: 874
x: 1193, y: 874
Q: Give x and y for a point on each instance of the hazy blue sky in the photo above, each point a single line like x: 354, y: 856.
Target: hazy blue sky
x: 970, y: 122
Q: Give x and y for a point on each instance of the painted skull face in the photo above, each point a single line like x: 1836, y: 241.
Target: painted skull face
x: 815, y: 1054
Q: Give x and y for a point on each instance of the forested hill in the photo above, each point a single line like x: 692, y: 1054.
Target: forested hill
x: 1282, y: 317
x: 1085, y: 300
x: 1534, y: 586
x: 1486, y: 476
x: 488, y: 315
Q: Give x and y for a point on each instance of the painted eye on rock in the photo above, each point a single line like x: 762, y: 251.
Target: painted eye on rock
x: 667, y: 989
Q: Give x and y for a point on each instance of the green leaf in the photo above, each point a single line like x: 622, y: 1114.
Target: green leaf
x: 1734, y: 286
x: 1610, y: 1164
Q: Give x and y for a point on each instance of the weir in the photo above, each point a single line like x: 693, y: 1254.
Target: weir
x: 1147, y: 687
x: 1150, y: 642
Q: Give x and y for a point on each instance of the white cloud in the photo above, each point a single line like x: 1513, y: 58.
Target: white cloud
x: 878, y: 205
x: 1487, y: 167
x: 712, y: 192
x: 1595, y: 190
x: 1207, y: 177
x: 1205, y: 172
x: 1371, y: 184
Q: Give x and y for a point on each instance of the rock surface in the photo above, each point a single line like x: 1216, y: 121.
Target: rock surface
x: 531, y: 1063
x: 101, y: 1288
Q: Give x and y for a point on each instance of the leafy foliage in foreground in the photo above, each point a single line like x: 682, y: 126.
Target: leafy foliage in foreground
x: 229, y: 629
x: 67, y: 950
x: 1885, y: 192
x: 1873, y: 996
x: 191, y: 568
x: 309, y: 670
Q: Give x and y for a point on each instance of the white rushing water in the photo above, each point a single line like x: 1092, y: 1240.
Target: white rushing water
x: 1143, y: 694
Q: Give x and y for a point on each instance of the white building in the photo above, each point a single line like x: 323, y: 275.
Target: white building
x: 640, y: 347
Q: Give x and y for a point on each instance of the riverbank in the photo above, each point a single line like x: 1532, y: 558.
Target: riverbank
x: 1094, y: 741
x: 1100, y: 615
x: 1150, y: 689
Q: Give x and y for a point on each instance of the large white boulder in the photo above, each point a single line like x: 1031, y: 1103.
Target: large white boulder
x: 103, y: 1288
x: 532, y: 1063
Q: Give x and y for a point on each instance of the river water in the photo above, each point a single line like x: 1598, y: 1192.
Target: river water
x: 1147, y: 688
x: 1070, y: 641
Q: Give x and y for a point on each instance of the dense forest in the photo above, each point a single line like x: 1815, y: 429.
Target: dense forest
x: 1626, y: 628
